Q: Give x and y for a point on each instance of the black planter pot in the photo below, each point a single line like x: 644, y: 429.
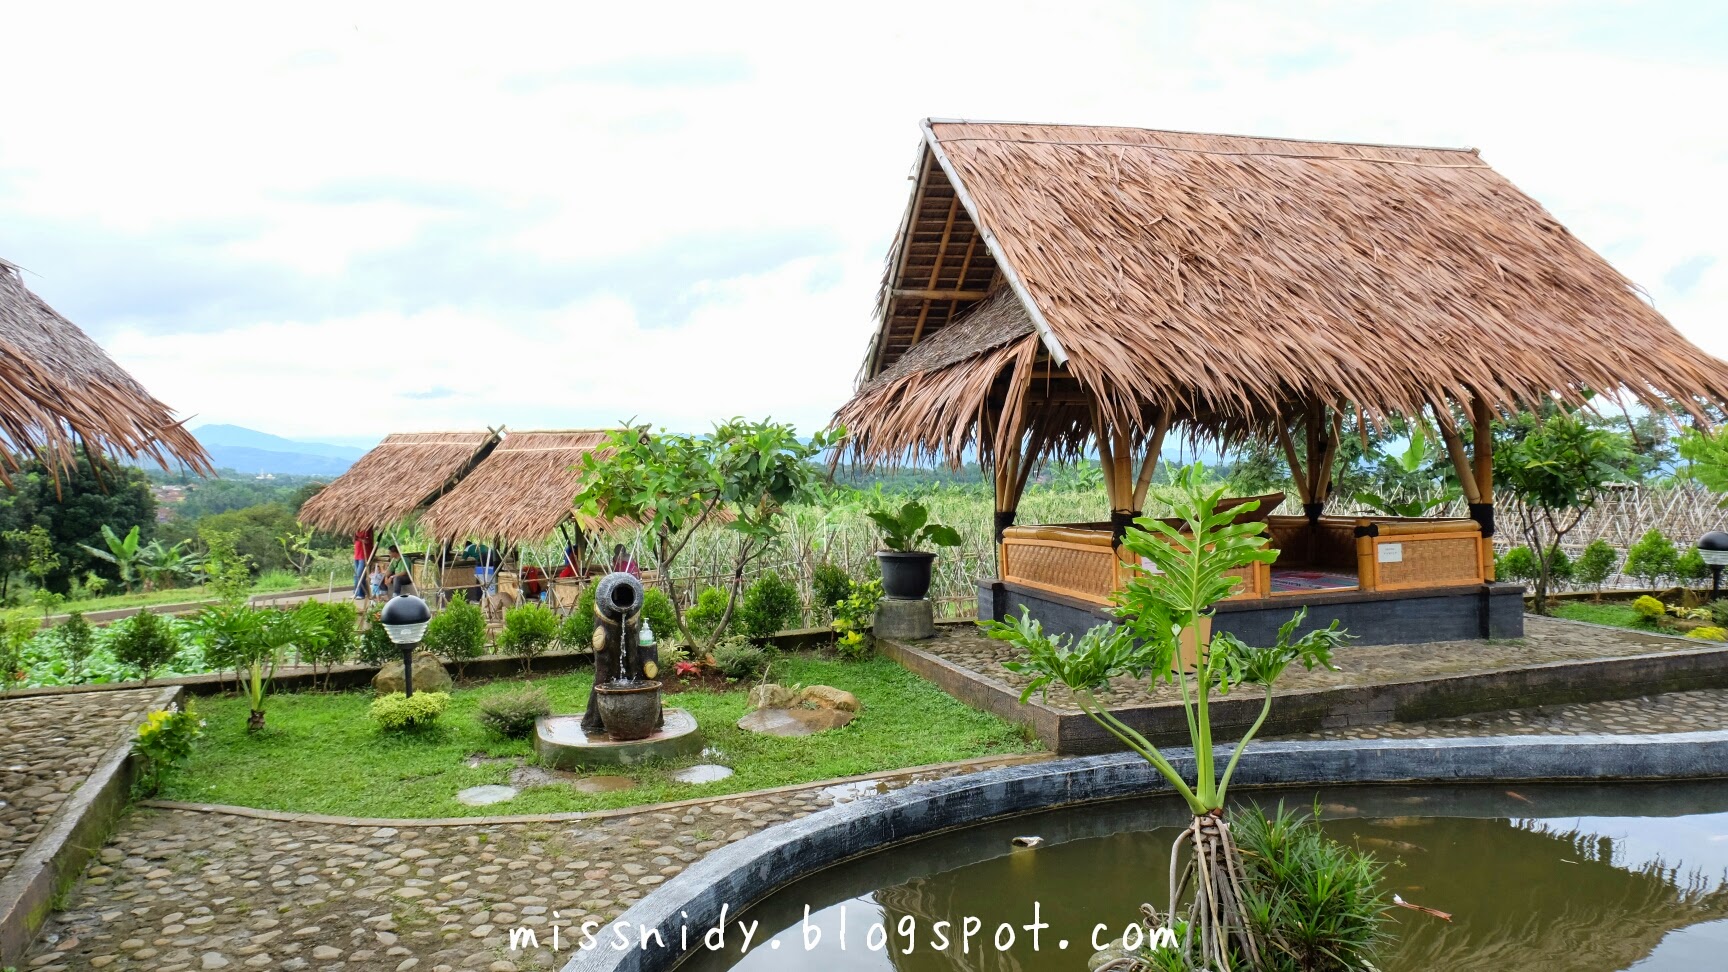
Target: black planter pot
x: 906, y: 574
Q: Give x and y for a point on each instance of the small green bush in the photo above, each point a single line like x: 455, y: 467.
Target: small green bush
x: 1319, y: 899
x: 1560, y: 566
x: 376, y: 648
x: 853, y: 619
x: 1519, y: 563
x: 1719, y: 613
x: 512, y: 713
x: 1690, y: 567
x: 829, y: 585
x: 17, y: 627
x: 1596, y: 564
x: 397, y: 712
x: 1652, y: 559
x: 328, y: 632
x: 656, y: 613
x: 528, y: 631
x: 1708, y: 633
x: 737, y: 658
x: 1649, y: 609
x: 577, y: 631
x: 146, y: 642
x: 704, y: 616
x: 77, y: 641
x: 457, y: 634
x: 770, y: 605
x: 163, y: 742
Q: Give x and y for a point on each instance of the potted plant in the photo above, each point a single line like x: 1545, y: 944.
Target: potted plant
x: 905, y: 568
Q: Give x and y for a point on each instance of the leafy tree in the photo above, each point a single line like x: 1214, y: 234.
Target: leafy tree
x: 73, y: 504
x: 17, y: 627
x: 1596, y: 564
x: 77, y: 642
x: 1707, y: 453
x: 166, y: 566
x: 40, y: 560
x: 1554, y: 471
x: 255, y: 531
x: 1156, y: 613
x: 226, y: 571
x: 741, y: 476
x: 1652, y: 559
x: 146, y: 642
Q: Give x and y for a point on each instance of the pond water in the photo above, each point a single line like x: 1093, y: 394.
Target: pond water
x: 1550, y: 878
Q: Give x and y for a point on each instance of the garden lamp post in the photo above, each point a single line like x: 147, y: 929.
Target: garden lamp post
x: 404, y: 619
x: 1713, y: 547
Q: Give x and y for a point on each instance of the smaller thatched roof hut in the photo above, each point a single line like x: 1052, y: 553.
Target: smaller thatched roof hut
x: 58, y: 389
x: 521, y: 492
x: 399, y: 476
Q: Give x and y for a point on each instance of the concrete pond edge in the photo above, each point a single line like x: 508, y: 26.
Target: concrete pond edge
x: 741, y: 874
x: 78, y: 829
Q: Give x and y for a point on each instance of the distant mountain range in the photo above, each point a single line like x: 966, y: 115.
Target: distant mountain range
x: 250, y: 451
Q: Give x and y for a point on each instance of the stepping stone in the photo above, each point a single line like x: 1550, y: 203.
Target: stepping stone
x: 794, y: 722
x: 602, y: 784
x: 480, y: 796
x: 702, y: 773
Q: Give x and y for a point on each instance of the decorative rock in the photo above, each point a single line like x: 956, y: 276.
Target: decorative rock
x: 828, y: 697
x: 905, y: 620
x: 793, y: 723
x: 702, y: 773
x: 771, y: 696
x: 480, y: 796
x: 429, y: 675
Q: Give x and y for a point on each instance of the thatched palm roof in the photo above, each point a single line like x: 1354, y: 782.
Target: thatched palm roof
x: 59, y: 389
x: 399, y: 476
x: 521, y: 492
x: 1230, y: 280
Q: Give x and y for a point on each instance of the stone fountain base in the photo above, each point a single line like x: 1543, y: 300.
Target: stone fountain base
x: 562, y: 743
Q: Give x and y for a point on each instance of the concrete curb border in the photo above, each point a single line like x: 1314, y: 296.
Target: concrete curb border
x: 741, y: 874
x: 570, y: 816
x: 77, y: 830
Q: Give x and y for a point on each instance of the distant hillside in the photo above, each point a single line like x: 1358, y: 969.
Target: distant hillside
x: 251, y: 451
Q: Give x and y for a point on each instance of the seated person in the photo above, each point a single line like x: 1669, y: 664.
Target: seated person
x: 572, y: 562
x: 400, y: 579
x: 533, y: 583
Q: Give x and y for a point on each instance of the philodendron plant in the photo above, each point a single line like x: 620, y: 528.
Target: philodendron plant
x: 909, y: 529
x: 1192, y: 571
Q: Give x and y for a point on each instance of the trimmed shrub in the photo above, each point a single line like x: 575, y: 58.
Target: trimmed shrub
x: 163, y: 742
x: 577, y: 631
x: 1596, y: 564
x: 512, y: 714
x: 1652, y: 559
x: 1649, y: 609
x: 77, y: 641
x: 1516, y: 564
x: 457, y: 634
x: 657, y: 614
x: 1560, y: 566
x: 397, y: 712
x: 1708, y: 633
x: 704, y: 616
x: 769, y: 605
x: 1690, y: 567
x: 376, y: 648
x: 146, y: 642
x: 853, y: 619
x: 528, y: 631
x: 328, y: 634
x: 829, y: 585
x: 737, y: 658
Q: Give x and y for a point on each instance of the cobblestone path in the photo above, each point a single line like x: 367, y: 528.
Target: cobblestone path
x: 48, y: 747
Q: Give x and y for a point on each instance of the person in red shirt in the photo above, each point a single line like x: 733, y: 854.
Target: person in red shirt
x: 572, y: 562
x: 364, y: 548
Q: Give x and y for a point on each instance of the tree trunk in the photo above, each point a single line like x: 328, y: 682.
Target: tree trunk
x: 255, y: 722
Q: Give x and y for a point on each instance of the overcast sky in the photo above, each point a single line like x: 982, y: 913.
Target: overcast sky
x: 332, y: 223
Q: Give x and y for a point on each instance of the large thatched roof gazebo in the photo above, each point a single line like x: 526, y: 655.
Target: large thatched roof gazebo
x: 521, y: 492
x: 1058, y: 289
x: 396, y: 479
x: 59, y: 390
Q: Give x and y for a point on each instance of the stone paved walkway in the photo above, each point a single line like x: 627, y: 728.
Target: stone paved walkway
x: 1673, y: 712
x: 1545, y: 640
x: 48, y: 747
x: 178, y: 890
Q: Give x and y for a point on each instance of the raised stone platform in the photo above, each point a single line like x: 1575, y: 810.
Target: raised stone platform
x: 562, y: 743
x: 1556, y: 662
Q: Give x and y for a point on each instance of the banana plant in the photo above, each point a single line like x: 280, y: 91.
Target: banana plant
x: 168, y: 566
x: 122, y: 552
x: 1193, y: 569
x: 1411, y: 462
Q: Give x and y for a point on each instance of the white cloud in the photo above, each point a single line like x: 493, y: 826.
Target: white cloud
x: 575, y: 214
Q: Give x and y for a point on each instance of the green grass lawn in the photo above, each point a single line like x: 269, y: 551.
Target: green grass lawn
x: 320, y: 752
x: 1616, y: 613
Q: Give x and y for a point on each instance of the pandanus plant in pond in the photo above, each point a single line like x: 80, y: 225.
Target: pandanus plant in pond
x: 1165, y: 604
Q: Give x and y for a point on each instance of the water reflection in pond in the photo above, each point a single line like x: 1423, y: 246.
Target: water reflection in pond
x: 1562, y: 878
